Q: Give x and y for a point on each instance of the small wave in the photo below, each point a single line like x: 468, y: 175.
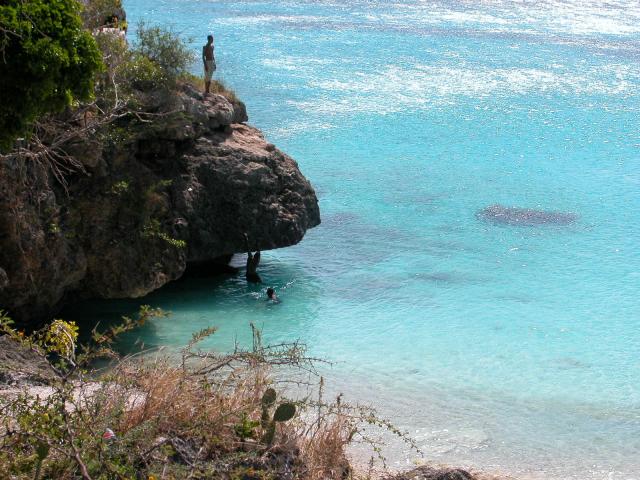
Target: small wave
x: 396, y: 88
x: 261, y: 19
x: 574, y: 17
x: 299, y: 127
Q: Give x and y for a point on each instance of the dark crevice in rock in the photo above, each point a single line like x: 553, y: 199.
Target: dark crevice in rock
x: 210, y: 268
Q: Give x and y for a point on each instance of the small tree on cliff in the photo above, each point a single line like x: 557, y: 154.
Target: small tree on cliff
x: 47, y: 60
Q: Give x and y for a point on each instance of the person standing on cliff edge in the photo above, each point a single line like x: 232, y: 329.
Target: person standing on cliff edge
x: 209, y: 63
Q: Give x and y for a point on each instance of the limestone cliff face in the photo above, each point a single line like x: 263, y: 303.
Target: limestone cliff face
x: 182, y: 188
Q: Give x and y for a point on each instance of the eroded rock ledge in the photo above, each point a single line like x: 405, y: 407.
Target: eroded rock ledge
x: 157, y: 195
x: 431, y: 473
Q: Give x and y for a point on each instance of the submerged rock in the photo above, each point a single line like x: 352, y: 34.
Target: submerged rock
x: 430, y: 473
x: 524, y: 216
x: 157, y: 196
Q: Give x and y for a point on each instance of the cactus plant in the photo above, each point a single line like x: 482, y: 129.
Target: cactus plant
x: 284, y: 412
x: 268, y: 400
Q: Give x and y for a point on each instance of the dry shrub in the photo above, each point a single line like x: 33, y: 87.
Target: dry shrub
x: 198, y: 415
x: 175, y: 400
x: 324, y: 449
x: 217, y: 86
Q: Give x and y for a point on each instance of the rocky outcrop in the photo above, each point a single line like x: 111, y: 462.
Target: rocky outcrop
x: 434, y: 472
x: 20, y: 366
x: 431, y: 473
x: 156, y: 195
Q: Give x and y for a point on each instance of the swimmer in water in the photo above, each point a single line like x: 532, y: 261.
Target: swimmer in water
x: 271, y: 295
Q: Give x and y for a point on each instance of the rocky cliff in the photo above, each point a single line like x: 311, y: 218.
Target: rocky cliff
x: 156, y: 195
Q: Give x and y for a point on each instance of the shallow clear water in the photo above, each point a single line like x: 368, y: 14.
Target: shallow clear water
x: 509, y: 348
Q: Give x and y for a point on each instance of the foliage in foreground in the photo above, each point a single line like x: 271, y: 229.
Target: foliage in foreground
x: 47, y: 60
x: 198, y: 415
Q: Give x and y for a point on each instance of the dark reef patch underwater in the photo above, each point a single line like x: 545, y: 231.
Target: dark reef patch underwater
x: 525, y: 217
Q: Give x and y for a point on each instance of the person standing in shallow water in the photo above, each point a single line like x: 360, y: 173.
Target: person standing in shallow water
x: 253, y: 260
x: 209, y: 63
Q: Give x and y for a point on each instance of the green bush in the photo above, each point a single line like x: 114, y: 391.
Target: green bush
x: 115, y: 52
x: 164, y: 48
x: 154, y: 62
x: 47, y: 60
x: 141, y: 73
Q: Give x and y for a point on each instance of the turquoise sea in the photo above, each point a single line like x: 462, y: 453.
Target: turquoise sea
x: 510, y: 348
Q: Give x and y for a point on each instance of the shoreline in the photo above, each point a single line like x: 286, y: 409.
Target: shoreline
x: 25, y: 374
x: 399, y: 463
x: 450, y: 441
x: 478, y: 432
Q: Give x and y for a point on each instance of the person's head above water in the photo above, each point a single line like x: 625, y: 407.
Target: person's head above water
x: 210, y: 38
x: 271, y: 292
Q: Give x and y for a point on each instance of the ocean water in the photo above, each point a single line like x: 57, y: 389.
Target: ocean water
x: 511, y: 348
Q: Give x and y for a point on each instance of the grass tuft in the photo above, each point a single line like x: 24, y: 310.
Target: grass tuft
x: 217, y: 86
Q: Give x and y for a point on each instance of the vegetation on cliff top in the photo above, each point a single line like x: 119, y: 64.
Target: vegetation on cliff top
x: 48, y: 60
x: 53, y: 55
